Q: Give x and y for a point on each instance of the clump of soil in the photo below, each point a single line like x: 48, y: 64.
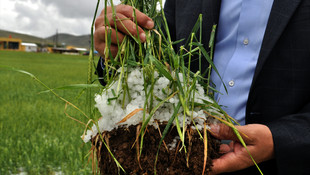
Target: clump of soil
x: 122, y: 142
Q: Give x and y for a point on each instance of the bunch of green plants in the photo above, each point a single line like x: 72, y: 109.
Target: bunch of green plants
x: 158, y: 54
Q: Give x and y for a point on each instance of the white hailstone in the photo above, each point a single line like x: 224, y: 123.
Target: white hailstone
x: 198, y: 126
x: 134, y: 95
x: 113, y: 112
x: 131, y: 107
x: 200, y: 113
x: 156, y: 113
x: 199, y: 123
x: 173, y: 144
x: 139, y: 88
x: 86, y: 138
x: 200, y: 90
x: 198, y: 100
x: 176, y: 101
x: 171, y: 108
x: 142, y: 93
x: 201, y: 127
x: 181, y: 77
x: 130, y: 81
x: 208, y: 127
x: 162, y: 82
x: 156, y: 74
x: 139, y: 99
x: 166, y: 115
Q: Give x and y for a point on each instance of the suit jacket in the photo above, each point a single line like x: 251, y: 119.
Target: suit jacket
x: 280, y: 92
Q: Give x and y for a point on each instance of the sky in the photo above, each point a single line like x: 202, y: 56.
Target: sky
x: 42, y: 18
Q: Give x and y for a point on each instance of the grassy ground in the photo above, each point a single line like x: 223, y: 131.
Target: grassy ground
x: 36, y: 136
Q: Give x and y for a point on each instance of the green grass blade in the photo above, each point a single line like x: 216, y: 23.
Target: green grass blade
x: 161, y: 68
x: 166, y: 130
x: 206, y: 55
x: 73, y: 86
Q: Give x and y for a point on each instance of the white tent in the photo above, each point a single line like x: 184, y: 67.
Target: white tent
x: 30, y: 47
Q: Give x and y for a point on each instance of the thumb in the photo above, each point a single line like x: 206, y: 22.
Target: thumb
x: 224, y: 132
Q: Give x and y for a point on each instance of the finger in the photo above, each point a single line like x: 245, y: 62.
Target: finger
x: 126, y: 26
x: 113, y: 49
x: 99, y: 39
x: 142, y: 19
x: 224, y: 132
x: 115, y: 38
x: 224, y: 148
x: 232, y: 161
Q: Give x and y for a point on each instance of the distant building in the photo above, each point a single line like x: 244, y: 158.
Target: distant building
x: 29, y: 47
x: 80, y: 50
x: 65, y: 51
x: 69, y: 50
x: 17, y: 45
x: 10, y: 44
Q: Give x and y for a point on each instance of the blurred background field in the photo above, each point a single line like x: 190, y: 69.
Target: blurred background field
x: 36, y: 135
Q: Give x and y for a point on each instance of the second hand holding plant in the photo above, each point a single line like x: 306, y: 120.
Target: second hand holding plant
x: 258, y: 139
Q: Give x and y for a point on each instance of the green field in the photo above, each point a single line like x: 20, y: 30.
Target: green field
x: 36, y: 136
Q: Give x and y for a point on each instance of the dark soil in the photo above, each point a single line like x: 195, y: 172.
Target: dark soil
x: 172, y: 161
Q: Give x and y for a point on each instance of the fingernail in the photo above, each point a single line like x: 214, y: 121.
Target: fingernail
x: 149, y: 24
x: 215, y: 129
x: 142, y: 37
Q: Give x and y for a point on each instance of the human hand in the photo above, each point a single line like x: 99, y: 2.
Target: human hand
x: 259, y: 142
x: 125, y: 25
